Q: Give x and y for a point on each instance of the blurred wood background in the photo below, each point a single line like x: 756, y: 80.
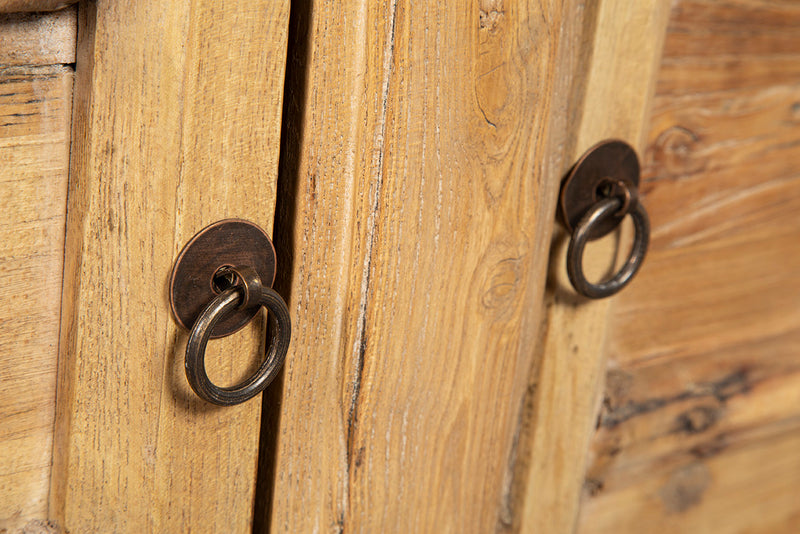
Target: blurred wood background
x: 700, y: 425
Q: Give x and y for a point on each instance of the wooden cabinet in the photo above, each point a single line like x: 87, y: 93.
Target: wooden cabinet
x: 442, y: 376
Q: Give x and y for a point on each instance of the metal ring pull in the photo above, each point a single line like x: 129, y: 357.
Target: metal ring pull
x: 597, y: 215
x: 220, y: 281
x: 600, y: 190
x: 249, y: 291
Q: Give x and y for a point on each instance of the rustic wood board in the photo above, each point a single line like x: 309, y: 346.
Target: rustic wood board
x: 38, y: 38
x: 700, y: 426
x: 624, y: 45
x: 35, y: 106
x: 176, y: 125
x: 424, y: 146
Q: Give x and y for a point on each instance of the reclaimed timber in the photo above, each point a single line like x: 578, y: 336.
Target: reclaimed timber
x: 176, y: 125
x: 623, y: 52
x: 424, y: 146
x: 700, y: 425
x: 38, y: 38
x: 35, y: 106
x: 32, y: 6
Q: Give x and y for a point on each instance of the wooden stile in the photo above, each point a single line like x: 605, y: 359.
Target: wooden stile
x: 177, y: 121
x: 35, y: 107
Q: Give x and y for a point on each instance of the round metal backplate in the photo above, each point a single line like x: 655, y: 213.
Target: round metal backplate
x: 605, y: 163
x: 228, y: 243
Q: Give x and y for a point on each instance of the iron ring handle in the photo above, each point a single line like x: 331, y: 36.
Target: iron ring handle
x: 250, y: 291
x: 580, y: 236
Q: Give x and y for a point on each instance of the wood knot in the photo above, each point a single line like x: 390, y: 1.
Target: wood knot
x: 674, y: 154
x: 491, y: 14
x: 499, y: 277
x: 500, y: 290
x: 698, y: 419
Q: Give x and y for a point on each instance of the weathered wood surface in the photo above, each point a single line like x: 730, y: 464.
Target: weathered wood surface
x: 35, y: 105
x: 425, y: 143
x: 31, y: 6
x: 176, y: 125
x: 38, y: 38
x: 700, y: 427
x: 624, y: 45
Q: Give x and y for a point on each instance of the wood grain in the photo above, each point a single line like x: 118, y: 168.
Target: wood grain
x: 424, y: 148
x: 177, y: 118
x: 700, y: 423
x: 31, y: 6
x: 38, y: 38
x: 624, y: 45
x: 35, y: 106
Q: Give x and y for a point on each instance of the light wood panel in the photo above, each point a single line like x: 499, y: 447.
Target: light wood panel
x: 35, y: 105
x: 700, y: 424
x: 424, y: 148
x: 177, y: 121
x: 38, y: 38
x: 621, y: 61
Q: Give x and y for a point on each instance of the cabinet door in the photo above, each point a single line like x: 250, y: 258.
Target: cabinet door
x: 176, y: 124
x: 422, y: 151
x: 425, y: 143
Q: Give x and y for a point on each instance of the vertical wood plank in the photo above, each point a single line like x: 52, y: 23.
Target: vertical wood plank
x: 622, y: 55
x: 423, y: 161
x: 177, y: 121
x: 35, y: 105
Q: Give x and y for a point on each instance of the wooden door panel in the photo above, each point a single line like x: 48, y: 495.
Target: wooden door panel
x: 176, y: 125
x: 699, y: 428
x: 622, y: 54
x: 35, y: 106
x: 424, y: 147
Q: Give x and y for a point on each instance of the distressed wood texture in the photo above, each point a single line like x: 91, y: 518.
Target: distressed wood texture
x: 35, y: 106
x: 700, y: 427
x: 424, y: 151
x: 32, y: 6
x: 621, y: 53
x: 176, y: 125
x: 38, y: 38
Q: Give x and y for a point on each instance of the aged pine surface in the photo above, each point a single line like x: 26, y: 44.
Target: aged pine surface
x: 700, y: 426
x: 621, y: 56
x: 176, y: 125
x: 424, y: 147
x: 35, y: 106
